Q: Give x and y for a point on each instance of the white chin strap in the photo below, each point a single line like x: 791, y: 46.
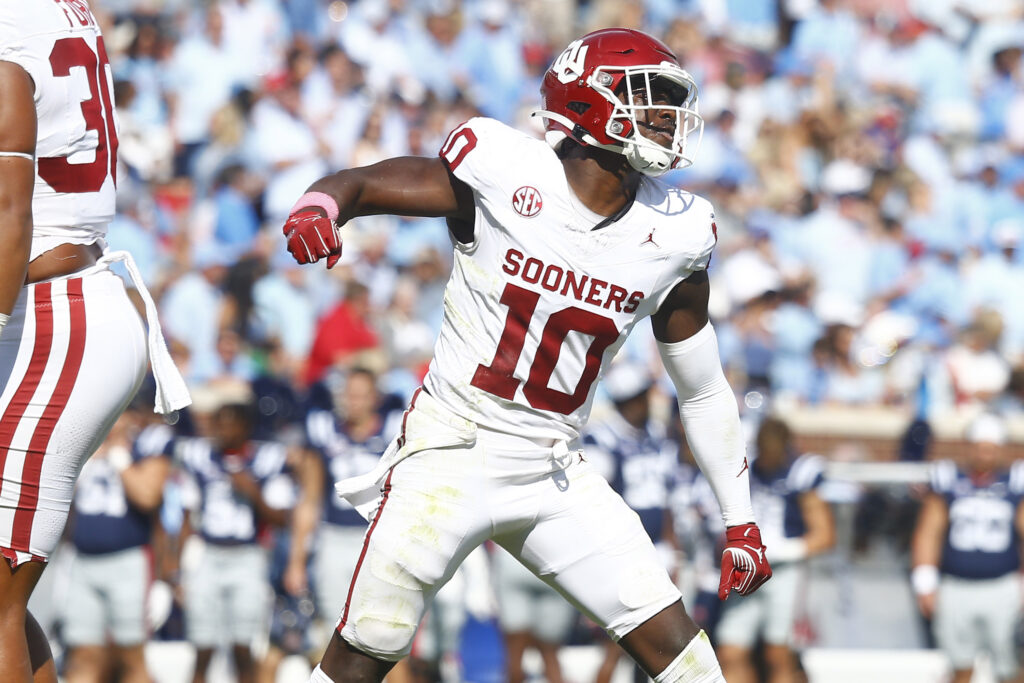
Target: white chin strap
x: 643, y: 158
x: 650, y: 162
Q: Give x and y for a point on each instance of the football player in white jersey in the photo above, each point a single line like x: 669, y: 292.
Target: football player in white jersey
x: 561, y: 247
x: 72, y: 347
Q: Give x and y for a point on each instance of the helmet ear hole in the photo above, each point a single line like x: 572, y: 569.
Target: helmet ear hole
x: 578, y: 107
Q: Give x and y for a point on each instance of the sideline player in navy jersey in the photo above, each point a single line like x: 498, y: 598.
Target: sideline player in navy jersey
x: 118, y: 493
x: 561, y: 248
x: 343, y: 443
x: 966, y: 553
x: 638, y: 459
x: 796, y: 523
x: 242, y: 485
x: 634, y: 453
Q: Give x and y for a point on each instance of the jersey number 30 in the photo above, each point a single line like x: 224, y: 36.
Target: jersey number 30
x: 98, y: 112
x: 498, y: 377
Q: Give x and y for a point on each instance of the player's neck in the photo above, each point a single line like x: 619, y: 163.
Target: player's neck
x: 363, y: 428
x: 603, y: 181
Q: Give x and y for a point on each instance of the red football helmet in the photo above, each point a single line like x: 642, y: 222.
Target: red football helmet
x: 595, y: 89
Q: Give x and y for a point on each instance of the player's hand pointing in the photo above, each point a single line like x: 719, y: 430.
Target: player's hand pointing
x: 312, y: 236
x: 744, y: 565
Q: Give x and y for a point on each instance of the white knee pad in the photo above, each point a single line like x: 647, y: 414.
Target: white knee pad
x: 697, y: 663
x: 318, y: 676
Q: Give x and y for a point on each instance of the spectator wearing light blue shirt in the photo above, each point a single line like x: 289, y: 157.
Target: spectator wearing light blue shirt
x: 829, y: 33
x: 142, y: 66
x: 890, y: 261
x: 435, y: 51
x: 236, y: 222
x: 976, y: 199
x: 191, y: 309
x: 795, y: 329
x: 283, y: 309
x: 932, y: 220
x: 492, y: 51
x: 201, y: 77
x: 1008, y: 204
x: 754, y: 23
x: 1006, y: 82
x: 835, y: 249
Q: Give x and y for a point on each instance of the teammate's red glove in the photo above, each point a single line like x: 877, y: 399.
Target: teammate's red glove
x: 312, y: 235
x: 744, y: 566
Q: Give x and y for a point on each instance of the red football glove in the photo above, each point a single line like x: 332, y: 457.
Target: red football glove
x: 744, y: 566
x: 312, y: 236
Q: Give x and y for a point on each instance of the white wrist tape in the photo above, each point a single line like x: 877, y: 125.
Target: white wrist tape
x: 925, y: 579
x: 711, y: 420
x: 4, y: 319
x: 786, y: 550
x: 18, y: 155
x: 321, y: 200
x: 120, y: 458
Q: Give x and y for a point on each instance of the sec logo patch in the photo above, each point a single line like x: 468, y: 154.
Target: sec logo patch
x: 527, y: 201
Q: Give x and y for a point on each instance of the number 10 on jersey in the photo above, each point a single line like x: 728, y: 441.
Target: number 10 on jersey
x: 499, y: 379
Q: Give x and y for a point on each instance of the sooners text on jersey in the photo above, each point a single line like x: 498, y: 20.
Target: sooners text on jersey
x: 538, y: 303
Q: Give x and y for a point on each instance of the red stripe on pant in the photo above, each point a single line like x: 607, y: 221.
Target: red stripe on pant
x: 32, y: 471
x: 15, y: 411
x: 405, y: 416
x: 386, y: 491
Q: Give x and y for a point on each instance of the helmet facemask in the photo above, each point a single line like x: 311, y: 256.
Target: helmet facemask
x: 640, y: 96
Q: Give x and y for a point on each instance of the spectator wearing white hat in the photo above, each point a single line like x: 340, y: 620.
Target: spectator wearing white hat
x: 966, y: 552
x: 977, y: 371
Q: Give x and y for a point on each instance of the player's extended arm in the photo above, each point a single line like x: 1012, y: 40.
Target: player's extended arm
x: 403, y: 186
x: 711, y: 420
x: 1019, y: 525
x: 310, y: 474
x: 144, y: 481
x: 926, y: 550
x: 250, y: 489
x: 820, y: 523
x: 17, y: 177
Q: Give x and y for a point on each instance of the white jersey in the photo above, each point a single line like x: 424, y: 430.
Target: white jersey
x: 538, y: 304
x: 59, y: 44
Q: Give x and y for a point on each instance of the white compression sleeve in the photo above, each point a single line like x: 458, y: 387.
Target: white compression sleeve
x: 711, y: 420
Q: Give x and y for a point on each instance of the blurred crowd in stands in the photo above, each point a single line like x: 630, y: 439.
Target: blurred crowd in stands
x: 865, y: 157
x: 866, y: 160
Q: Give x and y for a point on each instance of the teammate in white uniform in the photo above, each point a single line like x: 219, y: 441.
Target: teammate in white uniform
x: 72, y: 350
x: 560, y: 249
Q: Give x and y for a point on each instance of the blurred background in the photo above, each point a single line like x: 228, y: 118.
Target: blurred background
x: 866, y: 160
